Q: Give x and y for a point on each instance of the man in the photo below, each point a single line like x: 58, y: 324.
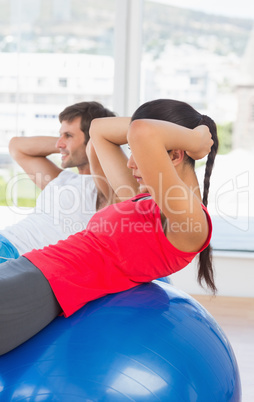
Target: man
x: 68, y: 200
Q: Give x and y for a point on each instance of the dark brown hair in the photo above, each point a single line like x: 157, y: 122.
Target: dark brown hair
x: 87, y: 111
x: 185, y: 115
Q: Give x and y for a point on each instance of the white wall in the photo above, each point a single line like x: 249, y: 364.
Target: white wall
x: 234, y: 273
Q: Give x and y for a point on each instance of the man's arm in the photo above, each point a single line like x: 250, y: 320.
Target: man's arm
x: 31, y: 154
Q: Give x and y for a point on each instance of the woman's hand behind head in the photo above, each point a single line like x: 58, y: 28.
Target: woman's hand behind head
x: 203, y: 142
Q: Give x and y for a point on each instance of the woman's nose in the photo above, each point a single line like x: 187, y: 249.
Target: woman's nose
x: 131, y: 163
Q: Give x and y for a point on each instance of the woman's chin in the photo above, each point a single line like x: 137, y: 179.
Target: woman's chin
x: 143, y: 188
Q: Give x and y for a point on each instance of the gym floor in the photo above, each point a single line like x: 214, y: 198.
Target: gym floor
x: 235, y: 315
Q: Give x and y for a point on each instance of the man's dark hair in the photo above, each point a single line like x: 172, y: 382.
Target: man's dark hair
x: 87, y: 111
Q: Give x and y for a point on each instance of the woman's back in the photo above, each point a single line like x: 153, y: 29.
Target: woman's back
x: 124, y: 245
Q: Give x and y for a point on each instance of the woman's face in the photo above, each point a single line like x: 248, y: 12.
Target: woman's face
x: 131, y: 164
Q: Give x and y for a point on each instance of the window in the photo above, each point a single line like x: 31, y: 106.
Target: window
x: 53, y: 54
x: 252, y: 110
x: 206, y: 59
x: 63, y: 82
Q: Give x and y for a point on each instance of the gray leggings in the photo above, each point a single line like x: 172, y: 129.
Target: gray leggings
x: 27, y: 303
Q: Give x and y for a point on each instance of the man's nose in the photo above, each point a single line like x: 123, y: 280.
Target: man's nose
x: 60, y: 143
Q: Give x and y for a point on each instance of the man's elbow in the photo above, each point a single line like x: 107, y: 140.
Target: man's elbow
x: 13, y: 147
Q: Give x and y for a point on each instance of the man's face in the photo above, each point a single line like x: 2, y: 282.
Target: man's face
x: 72, y: 145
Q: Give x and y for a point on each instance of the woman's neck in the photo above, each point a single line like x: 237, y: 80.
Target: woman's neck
x: 189, y: 177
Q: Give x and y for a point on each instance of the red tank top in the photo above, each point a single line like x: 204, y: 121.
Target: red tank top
x: 123, y: 245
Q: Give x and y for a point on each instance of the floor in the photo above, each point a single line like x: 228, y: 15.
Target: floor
x: 236, y: 317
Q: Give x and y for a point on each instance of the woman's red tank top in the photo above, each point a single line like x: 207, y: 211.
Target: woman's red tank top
x: 123, y: 246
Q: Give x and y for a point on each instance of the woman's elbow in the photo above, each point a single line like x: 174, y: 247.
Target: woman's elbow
x: 139, y: 131
x: 94, y: 128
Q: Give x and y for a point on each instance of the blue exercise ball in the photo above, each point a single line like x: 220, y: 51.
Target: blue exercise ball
x: 150, y: 343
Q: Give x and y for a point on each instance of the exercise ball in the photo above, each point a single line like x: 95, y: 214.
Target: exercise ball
x: 150, y: 343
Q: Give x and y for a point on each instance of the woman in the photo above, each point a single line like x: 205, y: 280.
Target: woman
x: 132, y: 241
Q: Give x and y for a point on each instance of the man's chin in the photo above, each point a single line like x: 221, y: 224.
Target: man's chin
x: 66, y: 164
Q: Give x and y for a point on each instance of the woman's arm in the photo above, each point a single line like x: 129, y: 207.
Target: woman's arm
x: 172, y: 182
x: 107, y: 135
x: 99, y: 176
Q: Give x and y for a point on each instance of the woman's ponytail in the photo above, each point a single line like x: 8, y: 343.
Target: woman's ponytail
x: 205, y: 270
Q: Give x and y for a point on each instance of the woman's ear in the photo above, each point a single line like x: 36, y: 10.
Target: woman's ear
x: 176, y: 156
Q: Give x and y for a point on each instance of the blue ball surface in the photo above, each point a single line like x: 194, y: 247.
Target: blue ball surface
x: 150, y: 343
